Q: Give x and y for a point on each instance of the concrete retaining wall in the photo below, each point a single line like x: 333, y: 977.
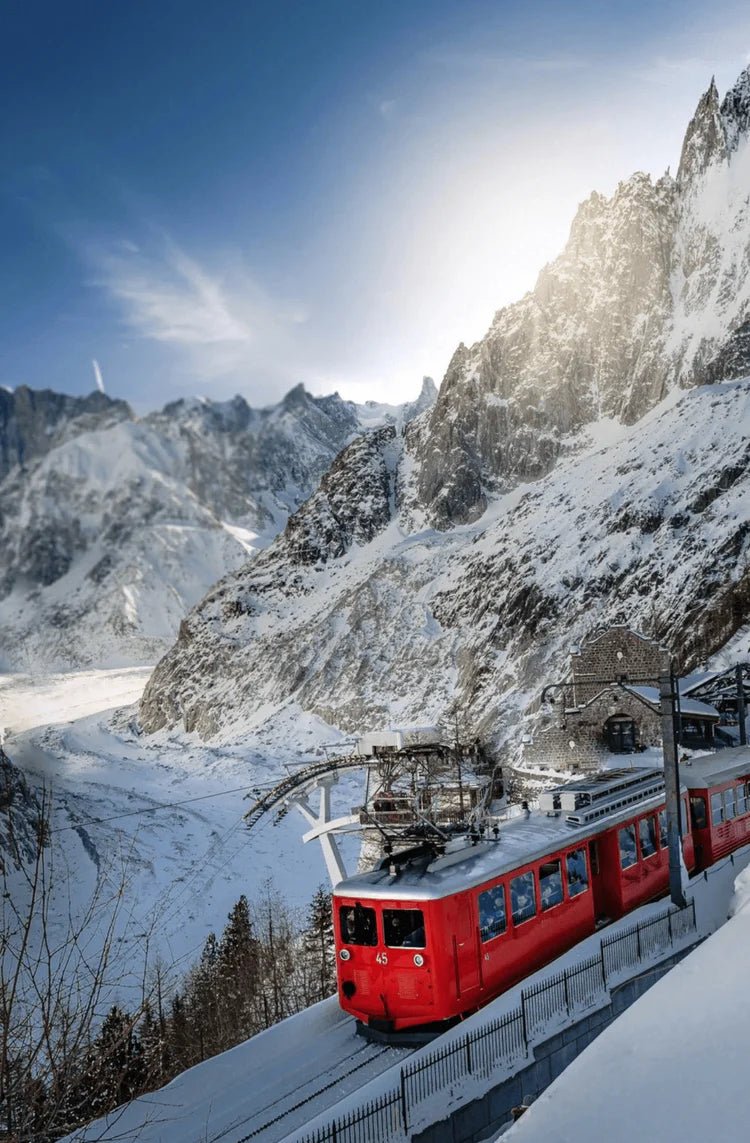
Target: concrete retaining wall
x: 484, y: 1117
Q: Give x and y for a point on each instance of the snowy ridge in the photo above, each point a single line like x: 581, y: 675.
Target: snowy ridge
x: 650, y: 294
x: 392, y: 626
x: 113, y: 527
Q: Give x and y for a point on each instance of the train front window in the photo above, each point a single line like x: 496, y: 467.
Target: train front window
x: 523, y: 898
x: 628, y: 851
x: 578, y: 878
x: 492, y: 917
x: 741, y: 793
x: 550, y: 884
x: 729, y: 804
x: 404, y: 928
x: 647, y: 831
x: 358, y: 925
x: 717, y: 809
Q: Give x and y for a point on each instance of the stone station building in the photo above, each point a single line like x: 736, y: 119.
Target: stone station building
x: 609, y: 704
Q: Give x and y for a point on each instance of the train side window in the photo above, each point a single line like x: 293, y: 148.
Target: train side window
x: 578, y: 880
x: 698, y: 812
x: 663, y: 831
x: 628, y: 851
x: 717, y: 809
x: 358, y: 925
x: 741, y: 796
x: 550, y: 884
x: 492, y: 916
x: 729, y: 812
x: 647, y: 832
x: 523, y: 898
x: 404, y: 928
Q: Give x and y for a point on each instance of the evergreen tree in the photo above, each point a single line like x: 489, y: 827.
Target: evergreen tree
x: 238, y: 963
x: 318, y: 948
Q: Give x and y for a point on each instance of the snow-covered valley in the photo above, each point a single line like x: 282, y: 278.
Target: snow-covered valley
x: 162, y: 816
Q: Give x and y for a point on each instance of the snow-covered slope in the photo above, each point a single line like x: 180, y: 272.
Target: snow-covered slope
x: 359, y: 619
x: 652, y: 292
x: 427, y: 572
x: 112, y: 527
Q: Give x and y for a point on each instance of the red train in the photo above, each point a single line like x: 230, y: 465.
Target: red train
x: 426, y: 939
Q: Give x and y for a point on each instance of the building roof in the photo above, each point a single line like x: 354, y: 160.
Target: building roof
x: 687, y: 705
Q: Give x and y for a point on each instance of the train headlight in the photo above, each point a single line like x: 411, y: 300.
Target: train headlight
x: 418, y: 960
x: 345, y: 954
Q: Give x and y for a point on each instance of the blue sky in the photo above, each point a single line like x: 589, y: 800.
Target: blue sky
x: 237, y: 196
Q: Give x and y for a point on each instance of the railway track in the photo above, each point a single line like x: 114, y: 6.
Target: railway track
x: 335, y: 1070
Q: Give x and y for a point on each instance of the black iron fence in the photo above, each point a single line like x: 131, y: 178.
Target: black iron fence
x: 505, y: 1040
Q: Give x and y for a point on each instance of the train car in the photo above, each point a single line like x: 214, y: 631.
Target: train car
x: 428, y: 938
x: 719, y: 789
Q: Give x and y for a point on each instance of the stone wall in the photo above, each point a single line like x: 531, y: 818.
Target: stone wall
x: 616, y: 653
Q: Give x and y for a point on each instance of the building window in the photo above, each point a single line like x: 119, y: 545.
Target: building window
x: 523, y: 898
x: 620, y: 734
x: 628, y: 851
x: 492, y: 918
x: 550, y: 884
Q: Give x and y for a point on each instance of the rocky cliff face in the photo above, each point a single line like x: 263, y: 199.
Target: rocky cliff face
x: 366, y: 624
x: 113, y: 527
x: 32, y: 422
x: 650, y: 293
x: 464, y: 585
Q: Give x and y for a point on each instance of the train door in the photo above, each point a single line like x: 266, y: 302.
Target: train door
x: 601, y: 910
x: 465, y: 950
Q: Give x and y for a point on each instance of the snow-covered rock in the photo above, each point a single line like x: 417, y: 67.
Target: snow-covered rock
x: 112, y: 527
x: 463, y: 584
x: 364, y: 622
x: 651, y: 293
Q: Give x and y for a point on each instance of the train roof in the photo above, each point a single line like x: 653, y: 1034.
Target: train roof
x: 576, y: 811
x: 715, y: 769
x: 521, y: 840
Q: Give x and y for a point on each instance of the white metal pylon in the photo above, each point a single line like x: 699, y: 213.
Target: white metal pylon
x: 323, y: 826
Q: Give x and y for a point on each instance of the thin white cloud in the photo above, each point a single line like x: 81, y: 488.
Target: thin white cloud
x: 223, y: 322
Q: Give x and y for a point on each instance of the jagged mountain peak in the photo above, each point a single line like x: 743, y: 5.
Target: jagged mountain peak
x: 735, y: 109
x: 705, y: 139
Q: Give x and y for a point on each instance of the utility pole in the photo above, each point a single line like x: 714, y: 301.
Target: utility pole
x: 741, y: 712
x: 667, y: 698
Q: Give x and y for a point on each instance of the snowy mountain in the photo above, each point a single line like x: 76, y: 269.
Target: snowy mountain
x: 651, y: 292
x: 427, y: 574
x: 356, y: 617
x: 113, y: 526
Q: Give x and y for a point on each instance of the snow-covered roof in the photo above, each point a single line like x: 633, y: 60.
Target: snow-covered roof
x: 687, y: 705
x: 713, y: 769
